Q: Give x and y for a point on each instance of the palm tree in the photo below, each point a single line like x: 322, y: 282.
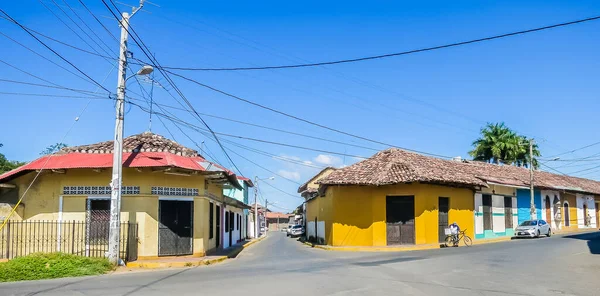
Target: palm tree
x: 500, y: 144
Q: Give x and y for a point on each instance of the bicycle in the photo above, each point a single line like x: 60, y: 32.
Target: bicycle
x: 453, y: 240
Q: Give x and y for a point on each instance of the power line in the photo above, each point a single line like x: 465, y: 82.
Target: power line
x: 99, y: 22
x: 53, y: 51
x: 298, y: 118
x: 174, y: 119
x: 66, y: 25
x: 143, y: 47
x: 267, y: 127
x: 62, y: 42
x: 391, y: 54
x: 280, y: 190
x: 45, y: 58
x: 109, y: 52
x: 574, y: 150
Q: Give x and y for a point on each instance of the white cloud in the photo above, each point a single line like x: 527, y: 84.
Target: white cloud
x: 290, y: 175
x: 329, y: 160
x: 308, y: 162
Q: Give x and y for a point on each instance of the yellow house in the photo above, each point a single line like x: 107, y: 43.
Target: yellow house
x: 172, y: 204
x: 392, y: 198
x: 398, y: 197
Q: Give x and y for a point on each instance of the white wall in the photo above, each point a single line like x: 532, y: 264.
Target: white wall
x: 556, y: 221
x: 591, y: 210
x: 310, y: 229
x: 478, y: 210
x: 498, y: 221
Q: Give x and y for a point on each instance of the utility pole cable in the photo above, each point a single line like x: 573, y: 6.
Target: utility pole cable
x: 532, y: 198
x: 117, y: 172
x: 255, y: 206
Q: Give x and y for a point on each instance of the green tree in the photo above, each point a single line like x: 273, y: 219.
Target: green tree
x: 7, y: 165
x: 499, y: 144
x: 53, y: 148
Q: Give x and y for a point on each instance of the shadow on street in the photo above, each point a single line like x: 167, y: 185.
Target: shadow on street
x: 593, y: 240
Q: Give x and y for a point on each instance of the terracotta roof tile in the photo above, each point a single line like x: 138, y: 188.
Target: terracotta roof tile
x: 395, y: 166
x: 144, y: 142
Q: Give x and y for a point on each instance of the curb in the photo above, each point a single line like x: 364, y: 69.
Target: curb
x: 159, y: 265
x: 432, y: 247
x: 372, y: 249
x: 162, y: 265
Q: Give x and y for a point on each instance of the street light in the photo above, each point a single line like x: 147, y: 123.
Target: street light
x: 256, y: 179
x: 145, y: 70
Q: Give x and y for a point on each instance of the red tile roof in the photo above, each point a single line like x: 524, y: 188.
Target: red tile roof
x: 275, y: 215
x: 394, y: 166
x: 88, y: 157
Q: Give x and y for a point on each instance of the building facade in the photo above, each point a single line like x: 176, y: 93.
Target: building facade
x: 403, y: 198
x: 172, y: 194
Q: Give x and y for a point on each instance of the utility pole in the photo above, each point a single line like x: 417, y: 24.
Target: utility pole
x: 117, y: 172
x: 266, y: 210
x: 532, y: 200
x: 255, y: 206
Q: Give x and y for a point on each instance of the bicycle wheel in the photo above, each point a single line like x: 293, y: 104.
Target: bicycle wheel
x: 468, y: 241
x: 449, y: 242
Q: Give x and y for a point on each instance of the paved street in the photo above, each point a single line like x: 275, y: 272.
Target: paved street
x: 282, y: 266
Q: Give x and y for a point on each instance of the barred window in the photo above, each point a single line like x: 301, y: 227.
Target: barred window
x: 174, y: 191
x: 98, y: 190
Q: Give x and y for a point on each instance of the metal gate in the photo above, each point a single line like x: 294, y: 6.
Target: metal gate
x: 444, y: 207
x: 508, y: 215
x: 175, y: 227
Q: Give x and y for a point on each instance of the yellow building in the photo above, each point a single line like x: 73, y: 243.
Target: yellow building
x: 398, y: 197
x: 385, y: 201
x: 172, y: 200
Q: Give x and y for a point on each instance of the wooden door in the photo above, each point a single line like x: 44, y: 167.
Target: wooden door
x: 443, y: 209
x: 548, y: 210
x: 567, y: 215
x: 400, y: 220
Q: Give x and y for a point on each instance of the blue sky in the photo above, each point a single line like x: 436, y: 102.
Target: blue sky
x: 543, y: 84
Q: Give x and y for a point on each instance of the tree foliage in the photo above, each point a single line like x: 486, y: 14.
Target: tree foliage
x: 7, y: 165
x: 499, y: 144
x: 53, y: 148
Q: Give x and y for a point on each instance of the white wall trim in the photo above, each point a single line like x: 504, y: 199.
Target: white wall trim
x: 99, y: 197
x: 176, y: 198
x: 60, y: 218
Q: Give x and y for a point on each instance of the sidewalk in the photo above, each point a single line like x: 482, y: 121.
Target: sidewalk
x: 433, y: 246
x: 212, y: 257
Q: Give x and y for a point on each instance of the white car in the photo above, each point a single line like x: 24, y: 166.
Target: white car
x: 533, y: 228
x: 296, y: 230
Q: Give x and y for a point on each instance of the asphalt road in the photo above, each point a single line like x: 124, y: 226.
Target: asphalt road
x: 282, y: 266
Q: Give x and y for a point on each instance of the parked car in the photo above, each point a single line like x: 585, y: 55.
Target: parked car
x: 533, y: 228
x: 284, y: 229
x: 296, y: 230
x: 289, y: 229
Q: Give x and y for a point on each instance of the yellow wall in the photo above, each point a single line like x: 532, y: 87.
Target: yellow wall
x: 499, y: 190
x: 359, y: 212
x: 42, y: 202
x: 324, y: 173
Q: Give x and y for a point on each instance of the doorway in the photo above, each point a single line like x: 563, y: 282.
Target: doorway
x: 508, y: 215
x: 586, y: 219
x: 400, y: 220
x: 218, y: 220
x: 231, y: 227
x: 175, y: 227
x: 443, y: 208
x: 566, y: 214
x: 597, y: 215
x: 548, y: 210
